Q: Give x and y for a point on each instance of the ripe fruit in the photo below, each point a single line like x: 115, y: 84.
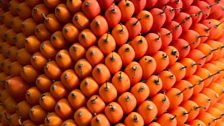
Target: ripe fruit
x: 80, y: 20
x: 23, y: 10
x: 51, y: 23
x: 83, y: 68
x: 175, y: 97
x: 168, y: 79
x: 155, y: 84
x: 63, y: 59
x: 134, y: 119
x: 179, y: 70
x: 159, y: 18
x: 127, y: 9
x: 150, y: 4
x: 108, y: 92
x: 99, y: 26
x: 52, y: 119
x: 47, y: 49
x: 148, y: 111
x: 167, y: 119
x: 134, y: 72
x: 29, y: 74
x: 126, y: 53
x: 202, y: 30
x: 77, y: 51
x: 121, y: 82
x: 172, y: 53
x: 113, y: 15
x: 105, y: 4
x: 62, y: 13
x: 202, y: 100
x: 185, y: 20
x: 134, y: 27
x: 32, y: 95
x: 146, y: 20
x: 87, y: 38
x: 91, y: 8
x: 63, y: 109
x: 101, y: 74
x: 42, y: 32
x: 186, y: 88
x: 149, y: 65
x: 192, y: 37
x: 166, y: 37
x: 120, y: 34
x: 197, y: 83
x: 17, y: 87
x: 43, y: 82
x: 89, y: 86
x: 181, y: 115
x: 32, y: 44
x: 162, y: 103
x: 52, y: 70
x: 140, y: 45
x: 76, y: 98
x: 70, y: 33
x: 83, y: 116
x: 127, y: 101
x: 100, y: 120
x: 69, y: 79
x: 175, y: 28
x: 95, y: 104
x: 57, y: 90
x: 162, y: 59
x: 73, y: 5
x: 106, y: 43
x: 154, y: 43
x: 23, y: 109
x: 114, y: 112
x: 140, y: 91
x: 113, y: 62
x: 47, y: 102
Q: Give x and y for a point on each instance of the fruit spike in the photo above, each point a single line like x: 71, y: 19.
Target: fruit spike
x: 200, y: 36
x: 127, y: 98
x: 182, y: 91
x: 156, y: 81
x: 164, y: 98
x: 198, y: 107
x: 200, y: 82
x: 136, y: 22
x: 20, y: 121
x: 46, y: 19
x: 122, y: 28
x: 173, y: 9
x: 211, y: 5
x: 97, y: 119
x: 211, y: 75
x: 186, y: 113
x: 217, y: 25
x: 93, y: 101
x: 106, y: 88
x: 173, y: 117
x: 183, y: 67
x: 80, y: 68
x: 134, y: 68
x: 112, y: 107
x: 218, y: 117
x: 106, y: 39
x: 141, y: 88
x: 135, y: 118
